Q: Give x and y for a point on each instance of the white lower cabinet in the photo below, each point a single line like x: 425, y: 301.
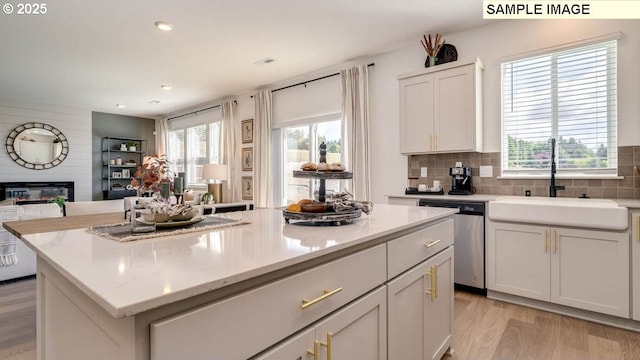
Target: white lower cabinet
x: 635, y: 263
x: 586, y: 269
x: 420, y: 310
x: 356, y: 332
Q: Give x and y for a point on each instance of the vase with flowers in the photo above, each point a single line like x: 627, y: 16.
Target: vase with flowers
x: 432, y: 47
x: 154, y: 174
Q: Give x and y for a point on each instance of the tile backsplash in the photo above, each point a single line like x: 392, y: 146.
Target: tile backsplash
x: 438, y: 169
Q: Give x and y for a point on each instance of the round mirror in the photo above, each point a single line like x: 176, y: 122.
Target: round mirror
x: 37, y: 146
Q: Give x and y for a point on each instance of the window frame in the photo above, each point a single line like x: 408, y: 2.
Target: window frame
x: 612, y: 116
x: 280, y: 157
x: 192, y: 183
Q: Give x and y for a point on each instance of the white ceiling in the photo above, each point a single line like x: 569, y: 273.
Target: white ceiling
x: 96, y: 54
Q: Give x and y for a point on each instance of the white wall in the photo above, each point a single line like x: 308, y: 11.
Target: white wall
x: 74, y: 123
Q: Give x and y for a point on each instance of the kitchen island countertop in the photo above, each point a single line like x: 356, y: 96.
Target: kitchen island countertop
x: 129, y: 278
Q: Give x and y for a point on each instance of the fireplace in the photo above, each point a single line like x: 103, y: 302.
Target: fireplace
x: 34, y: 192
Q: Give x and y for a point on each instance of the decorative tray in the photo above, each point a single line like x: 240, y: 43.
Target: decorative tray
x: 325, y: 218
x: 175, y: 224
x: 339, y: 175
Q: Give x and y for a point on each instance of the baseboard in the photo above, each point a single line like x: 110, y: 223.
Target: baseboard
x: 615, y: 321
x: 22, y: 278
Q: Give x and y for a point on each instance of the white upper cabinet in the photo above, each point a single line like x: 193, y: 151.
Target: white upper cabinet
x: 441, y: 109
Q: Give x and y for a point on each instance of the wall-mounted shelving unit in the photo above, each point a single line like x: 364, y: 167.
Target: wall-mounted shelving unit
x: 117, y: 174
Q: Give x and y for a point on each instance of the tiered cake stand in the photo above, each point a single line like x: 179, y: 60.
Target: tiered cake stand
x: 329, y: 218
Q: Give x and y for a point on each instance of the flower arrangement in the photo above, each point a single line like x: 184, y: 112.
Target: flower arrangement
x: 151, y: 173
x: 432, y: 47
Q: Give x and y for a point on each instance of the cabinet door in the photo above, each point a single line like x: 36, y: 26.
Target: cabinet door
x: 454, y: 109
x: 420, y: 309
x: 298, y: 347
x: 416, y: 114
x: 518, y: 260
x: 635, y: 263
x: 590, y: 270
x: 407, y: 296
x: 357, y: 332
x: 438, y: 314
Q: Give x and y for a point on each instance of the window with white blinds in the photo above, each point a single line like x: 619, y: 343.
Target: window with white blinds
x: 569, y: 95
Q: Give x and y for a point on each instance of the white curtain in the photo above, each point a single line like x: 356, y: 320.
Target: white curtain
x: 162, y: 136
x: 262, y: 184
x: 355, y: 120
x: 228, y: 151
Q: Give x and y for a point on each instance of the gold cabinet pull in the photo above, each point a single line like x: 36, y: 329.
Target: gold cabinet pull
x: 316, y: 350
x: 545, y: 241
x: 555, y: 242
x: 430, y: 141
x: 638, y: 228
x: 306, y: 303
x: 435, y: 277
x: 431, y: 243
x: 436, y: 146
x: 432, y: 282
x: 328, y: 345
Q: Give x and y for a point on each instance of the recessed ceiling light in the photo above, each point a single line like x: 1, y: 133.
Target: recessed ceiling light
x: 121, y: 106
x: 154, y: 102
x: 164, y: 26
x: 264, y: 61
x: 166, y: 87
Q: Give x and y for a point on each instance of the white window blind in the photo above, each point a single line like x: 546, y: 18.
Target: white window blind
x: 570, y: 95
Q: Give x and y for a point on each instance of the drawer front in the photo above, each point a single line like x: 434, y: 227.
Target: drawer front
x: 243, y: 325
x: 411, y: 249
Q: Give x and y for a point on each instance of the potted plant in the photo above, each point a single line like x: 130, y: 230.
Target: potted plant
x: 132, y: 145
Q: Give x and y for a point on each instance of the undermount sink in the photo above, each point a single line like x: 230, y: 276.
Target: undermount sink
x: 588, y: 213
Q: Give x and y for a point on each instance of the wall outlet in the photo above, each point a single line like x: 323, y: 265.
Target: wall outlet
x: 486, y: 171
x: 423, y: 171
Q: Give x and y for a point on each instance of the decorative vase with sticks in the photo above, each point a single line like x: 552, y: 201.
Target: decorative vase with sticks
x: 432, y: 47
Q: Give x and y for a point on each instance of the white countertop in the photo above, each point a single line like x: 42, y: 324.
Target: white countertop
x: 129, y: 278
x: 628, y: 203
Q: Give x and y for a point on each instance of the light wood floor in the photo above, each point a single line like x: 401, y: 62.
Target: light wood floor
x: 484, y: 329
x: 490, y: 329
x: 18, y: 320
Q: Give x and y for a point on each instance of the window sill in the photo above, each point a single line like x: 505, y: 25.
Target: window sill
x: 566, y: 176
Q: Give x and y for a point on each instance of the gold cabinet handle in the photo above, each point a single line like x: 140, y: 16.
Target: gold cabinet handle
x: 430, y: 141
x: 316, y: 350
x: 306, y: 303
x: 432, y: 290
x: 328, y: 345
x: 436, y: 146
x: 555, y: 242
x: 435, y: 277
x: 431, y: 243
x: 545, y: 241
x: 638, y: 228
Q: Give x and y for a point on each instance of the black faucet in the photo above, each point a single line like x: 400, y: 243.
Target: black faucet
x: 553, y: 187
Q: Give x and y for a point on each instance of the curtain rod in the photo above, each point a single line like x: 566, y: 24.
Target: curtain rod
x: 312, y: 80
x: 197, y: 111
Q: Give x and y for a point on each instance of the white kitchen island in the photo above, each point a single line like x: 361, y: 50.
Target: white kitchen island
x: 235, y: 292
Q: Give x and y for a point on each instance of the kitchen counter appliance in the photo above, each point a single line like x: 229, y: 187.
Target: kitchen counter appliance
x: 468, y: 243
x: 461, y: 183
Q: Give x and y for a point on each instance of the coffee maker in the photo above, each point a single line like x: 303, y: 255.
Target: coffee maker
x: 461, y: 183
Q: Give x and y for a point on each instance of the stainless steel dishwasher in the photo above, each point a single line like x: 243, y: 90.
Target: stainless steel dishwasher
x: 468, y: 243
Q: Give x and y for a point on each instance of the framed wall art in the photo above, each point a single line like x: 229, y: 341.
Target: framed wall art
x: 247, y: 131
x: 247, y: 188
x: 247, y: 159
x: 126, y: 173
x: 116, y: 175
